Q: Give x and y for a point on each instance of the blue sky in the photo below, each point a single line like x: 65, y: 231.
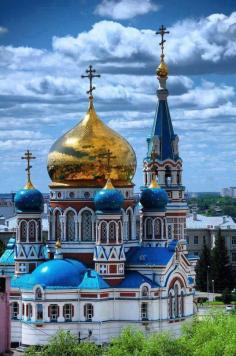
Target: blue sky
x: 46, y: 45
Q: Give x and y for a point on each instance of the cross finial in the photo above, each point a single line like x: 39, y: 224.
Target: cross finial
x: 162, y: 31
x: 90, y: 75
x: 108, y: 155
x: 28, y: 156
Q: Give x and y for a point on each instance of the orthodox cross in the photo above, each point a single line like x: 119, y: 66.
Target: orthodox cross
x: 162, y: 31
x: 108, y: 155
x: 28, y: 156
x: 91, y: 74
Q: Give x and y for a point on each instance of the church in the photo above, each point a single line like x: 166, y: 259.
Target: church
x: 113, y: 258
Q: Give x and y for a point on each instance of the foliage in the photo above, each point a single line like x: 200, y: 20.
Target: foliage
x: 226, y: 296
x: 203, y: 272
x: 210, y: 204
x: 221, y: 270
x: 65, y: 344
x: 213, y: 335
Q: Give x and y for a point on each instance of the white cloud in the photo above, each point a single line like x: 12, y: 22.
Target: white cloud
x: 3, y: 30
x: 124, y: 9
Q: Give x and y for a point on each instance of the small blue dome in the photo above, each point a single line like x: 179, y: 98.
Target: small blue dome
x: 29, y: 200
x: 154, y: 199
x: 63, y: 273
x: 109, y: 199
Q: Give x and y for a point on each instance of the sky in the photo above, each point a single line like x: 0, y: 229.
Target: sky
x: 46, y: 45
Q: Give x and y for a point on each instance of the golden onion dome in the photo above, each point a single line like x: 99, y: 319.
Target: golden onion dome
x: 88, y: 153
x: 162, y: 70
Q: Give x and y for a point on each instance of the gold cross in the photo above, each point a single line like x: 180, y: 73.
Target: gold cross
x: 28, y: 156
x: 108, y: 155
x: 162, y: 31
x: 91, y: 74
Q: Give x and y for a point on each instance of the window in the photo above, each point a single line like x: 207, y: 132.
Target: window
x: 204, y: 239
x: 70, y: 226
x: 53, y: 312
x: 149, y: 228
x: 86, y: 226
x: 112, y: 232
x: 195, y: 240
x: 170, y: 305
x: 129, y: 226
x: 187, y: 240
x: 176, y: 301
x: 23, y: 231
x: 181, y: 307
x: 38, y: 294
x: 196, y: 253
x: 32, y: 231
x: 88, y: 312
x: 144, y: 311
x: 234, y: 240
x: 145, y: 291
x: 103, y: 233
x: 14, y: 310
x: 68, y: 312
x: 39, y: 311
x: 233, y: 256
x: 29, y: 311
x: 157, y: 229
x: 57, y: 226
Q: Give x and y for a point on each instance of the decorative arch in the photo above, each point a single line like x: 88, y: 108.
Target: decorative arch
x: 23, y: 228
x: 129, y: 213
x: 144, y: 291
x: 112, y: 231
x: 149, y: 228
x: 70, y: 224
x: 32, y: 228
x: 87, y: 218
x: 57, y: 213
x: 103, y: 232
x: 158, y: 228
x: 168, y: 175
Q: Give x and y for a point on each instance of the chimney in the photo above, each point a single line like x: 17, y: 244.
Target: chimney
x: 194, y: 215
x: 224, y: 219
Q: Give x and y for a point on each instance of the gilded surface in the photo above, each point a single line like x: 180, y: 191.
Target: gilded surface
x: 162, y: 70
x: 80, y: 157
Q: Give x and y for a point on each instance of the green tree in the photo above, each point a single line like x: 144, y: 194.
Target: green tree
x: 203, y: 269
x: 221, y: 268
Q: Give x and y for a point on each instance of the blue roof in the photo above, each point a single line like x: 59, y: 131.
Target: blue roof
x: 54, y: 274
x: 158, y: 256
x: 92, y: 280
x: 163, y: 128
x: 134, y: 279
x: 7, y: 257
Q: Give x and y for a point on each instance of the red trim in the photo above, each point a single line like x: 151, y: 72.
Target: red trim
x: 88, y: 295
x: 127, y: 294
x: 104, y: 295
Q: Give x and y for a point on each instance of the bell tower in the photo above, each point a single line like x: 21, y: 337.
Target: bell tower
x: 163, y: 160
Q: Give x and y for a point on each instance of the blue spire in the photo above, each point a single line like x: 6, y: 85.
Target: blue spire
x: 163, y: 130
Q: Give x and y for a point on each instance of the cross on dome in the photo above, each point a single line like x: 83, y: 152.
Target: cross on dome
x: 91, y: 74
x: 162, y: 31
x: 28, y: 156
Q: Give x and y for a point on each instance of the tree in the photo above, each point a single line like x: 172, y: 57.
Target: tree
x: 203, y: 270
x: 221, y: 268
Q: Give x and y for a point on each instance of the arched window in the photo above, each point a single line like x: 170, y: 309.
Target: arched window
x: 53, y: 312
x: 38, y: 294
x: 57, y: 226
x: 70, y: 226
x: 32, y: 231
x: 14, y: 310
x: 112, y: 232
x: 157, y: 229
x: 144, y: 311
x: 86, y: 226
x: 29, y: 311
x: 149, y: 229
x: 23, y: 231
x: 170, y: 305
x: 39, y: 311
x: 129, y: 225
x: 103, y: 232
x: 68, y: 312
x: 181, y: 306
x: 168, y: 176
x: 88, y: 312
x: 145, y: 291
x: 176, y: 301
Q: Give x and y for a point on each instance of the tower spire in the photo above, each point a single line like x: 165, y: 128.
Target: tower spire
x: 162, y: 69
x: 90, y: 75
x: 28, y: 156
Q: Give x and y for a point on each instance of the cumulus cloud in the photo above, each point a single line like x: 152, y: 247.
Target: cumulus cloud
x: 124, y: 9
x: 3, y: 30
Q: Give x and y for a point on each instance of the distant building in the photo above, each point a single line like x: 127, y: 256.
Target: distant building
x: 229, y: 192
x: 5, y: 329
x: 202, y: 229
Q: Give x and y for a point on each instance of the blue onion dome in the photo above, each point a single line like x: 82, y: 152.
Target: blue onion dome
x: 109, y: 199
x: 154, y: 197
x: 29, y: 200
x: 65, y: 273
